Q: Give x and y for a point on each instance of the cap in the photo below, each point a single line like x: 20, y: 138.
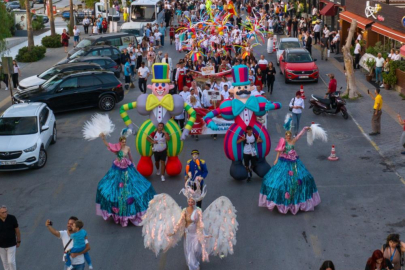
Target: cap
x: 195, y: 152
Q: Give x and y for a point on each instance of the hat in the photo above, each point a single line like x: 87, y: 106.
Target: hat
x: 195, y: 152
x: 240, y: 75
x: 318, y: 21
x: 160, y: 72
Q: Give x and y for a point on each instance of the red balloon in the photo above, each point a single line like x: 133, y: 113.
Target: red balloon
x: 145, y: 166
x: 173, y: 166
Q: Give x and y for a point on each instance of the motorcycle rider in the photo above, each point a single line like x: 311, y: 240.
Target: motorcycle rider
x: 331, y: 90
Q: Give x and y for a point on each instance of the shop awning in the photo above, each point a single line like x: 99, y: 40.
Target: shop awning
x: 403, y: 51
x: 388, y: 32
x: 349, y: 17
x: 328, y: 10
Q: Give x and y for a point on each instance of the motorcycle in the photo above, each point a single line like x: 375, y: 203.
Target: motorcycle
x: 323, y: 105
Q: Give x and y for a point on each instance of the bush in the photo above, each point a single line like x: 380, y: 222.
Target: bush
x: 51, y: 41
x: 389, y: 78
x: 371, y: 50
x: 36, y: 53
x: 38, y: 23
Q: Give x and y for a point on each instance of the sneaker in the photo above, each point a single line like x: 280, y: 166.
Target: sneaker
x: 158, y: 172
x: 90, y: 266
x: 382, y: 85
x: 163, y: 178
x: 6, y: 89
x: 69, y: 267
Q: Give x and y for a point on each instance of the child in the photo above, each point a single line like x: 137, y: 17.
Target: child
x: 79, y: 237
x: 95, y: 29
x: 157, y: 38
x: 177, y: 42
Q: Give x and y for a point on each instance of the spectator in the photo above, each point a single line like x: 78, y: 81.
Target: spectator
x: 132, y: 57
x: 393, y: 250
x: 76, y: 36
x: 397, y: 56
x: 10, y: 239
x: 162, y: 31
x: 270, y: 77
x: 379, y: 64
x: 77, y: 259
x: 127, y: 73
x: 16, y: 73
x: 124, y: 58
x: 357, y: 50
x: 378, y: 262
x: 376, y: 119
x: 296, y: 106
x: 64, y: 39
x: 151, y: 57
x: 317, y: 32
x: 104, y: 23
x: 327, y: 265
x: 392, y: 54
x: 308, y: 43
x: 86, y: 24
x: 143, y: 73
x: 324, y: 47
x: 138, y: 53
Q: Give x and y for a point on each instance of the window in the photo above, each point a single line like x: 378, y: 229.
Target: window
x: 18, y: 126
x: 106, y: 52
x: 108, y: 78
x: 46, y: 75
x: 116, y: 52
x: 115, y: 42
x: 43, y: 116
x: 69, y: 84
x: 289, y: 44
x: 86, y: 81
x: 94, y: 53
x: 299, y: 58
x: 84, y: 43
x: 101, y: 62
x: 143, y: 13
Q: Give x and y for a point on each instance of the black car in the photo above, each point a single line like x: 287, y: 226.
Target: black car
x: 100, y: 50
x: 105, y: 63
x: 45, y: 18
x: 65, y: 92
x: 12, y: 5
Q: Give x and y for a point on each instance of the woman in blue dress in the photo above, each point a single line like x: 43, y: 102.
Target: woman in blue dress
x: 288, y: 185
x: 123, y: 193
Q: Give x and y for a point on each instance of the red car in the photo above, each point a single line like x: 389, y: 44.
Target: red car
x: 298, y: 65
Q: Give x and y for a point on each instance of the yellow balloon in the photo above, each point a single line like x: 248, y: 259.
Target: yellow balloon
x: 221, y: 33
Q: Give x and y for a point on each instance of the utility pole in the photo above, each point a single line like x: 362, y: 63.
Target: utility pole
x: 72, y: 19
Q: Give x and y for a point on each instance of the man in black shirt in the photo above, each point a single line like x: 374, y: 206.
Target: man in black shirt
x: 308, y: 43
x: 239, y: 21
x: 10, y: 238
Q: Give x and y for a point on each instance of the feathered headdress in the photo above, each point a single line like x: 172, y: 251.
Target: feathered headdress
x: 198, y: 194
x: 287, y: 121
x: 125, y: 132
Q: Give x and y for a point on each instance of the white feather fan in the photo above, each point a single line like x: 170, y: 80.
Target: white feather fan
x: 288, y: 116
x: 159, y: 220
x: 315, y: 133
x: 220, y: 223
x: 99, y: 123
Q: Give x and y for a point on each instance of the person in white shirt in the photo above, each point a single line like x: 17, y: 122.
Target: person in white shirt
x: 317, y: 32
x: 249, y: 150
x: 193, y: 95
x: 396, y: 56
x: 379, y: 64
x: 166, y: 59
x: 326, y: 31
x: 314, y: 11
x: 76, y: 35
x: 225, y: 92
x: 77, y: 259
x: 157, y: 35
x: 185, y: 93
x: 297, y: 105
x: 206, y: 99
x: 86, y: 23
x: 392, y: 54
x: 357, y: 50
x: 196, y: 88
x: 224, y: 82
x: 359, y: 36
x: 143, y: 73
x: 177, y: 42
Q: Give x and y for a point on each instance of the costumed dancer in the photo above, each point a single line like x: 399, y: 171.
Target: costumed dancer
x: 180, y: 74
x: 249, y: 150
x: 289, y: 186
x: 212, y: 232
x: 244, y: 108
x: 123, y: 193
x: 196, y: 170
x: 160, y: 106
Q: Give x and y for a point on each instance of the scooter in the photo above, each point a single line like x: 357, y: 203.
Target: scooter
x: 323, y: 105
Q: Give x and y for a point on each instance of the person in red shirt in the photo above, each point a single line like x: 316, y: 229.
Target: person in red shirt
x: 104, y: 23
x: 331, y: 89
x: 259, y: 78
x: 188, y: 79
x: 180, y: 74
x: 171, y: 34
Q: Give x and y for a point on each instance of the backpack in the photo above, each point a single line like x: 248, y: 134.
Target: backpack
x: 401, y: 258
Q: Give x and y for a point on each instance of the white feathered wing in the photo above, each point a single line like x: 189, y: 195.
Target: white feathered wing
x: 159, y: 220
x: 220, y: 223
x: 316, y: 132
x: 99, y: 123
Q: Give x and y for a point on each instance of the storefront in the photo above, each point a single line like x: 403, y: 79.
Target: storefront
x: 376, y: 21
x: 330, y: 10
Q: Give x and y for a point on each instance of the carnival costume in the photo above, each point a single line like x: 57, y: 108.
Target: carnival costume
x: 288, y: 185
x: 244, y: 109
x: 196, y: 169
x: 123, y: 193
x: 212, y: 232
x: 160, y: 106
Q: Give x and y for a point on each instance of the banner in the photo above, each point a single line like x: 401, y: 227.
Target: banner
x: 200, y: 128
x: 210, y: 70
x: 199, y: 76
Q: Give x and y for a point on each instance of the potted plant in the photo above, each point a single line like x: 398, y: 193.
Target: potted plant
x: 389, y: 80
x: 370, y: 63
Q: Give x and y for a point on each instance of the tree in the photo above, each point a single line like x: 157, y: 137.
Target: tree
x: 6, y: 26
x: 351, y: 89
x: 71, y: 18
x: 30, y: 32
x: 51, y: 18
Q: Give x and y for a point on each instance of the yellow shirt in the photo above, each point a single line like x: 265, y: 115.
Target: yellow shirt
x: 378, y: 102
x: 125, y: 17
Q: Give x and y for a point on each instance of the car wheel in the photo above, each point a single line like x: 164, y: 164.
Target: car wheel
x: 54, y: 135
x: 286, y: 80
x: 42, y: 158
x: 106, y: 103
x: 316, y: 111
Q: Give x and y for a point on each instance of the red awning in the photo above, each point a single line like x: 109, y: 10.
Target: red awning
x: 403, y: 50
x: 388, y: 32
x: 328, y: 10
x: 349, y: 17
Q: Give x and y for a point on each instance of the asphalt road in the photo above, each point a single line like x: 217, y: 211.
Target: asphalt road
x: 361, y: 196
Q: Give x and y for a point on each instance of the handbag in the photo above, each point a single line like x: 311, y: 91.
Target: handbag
x: 292, y: 105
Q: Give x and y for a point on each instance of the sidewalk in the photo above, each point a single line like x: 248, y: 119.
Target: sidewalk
x: 360, y: 110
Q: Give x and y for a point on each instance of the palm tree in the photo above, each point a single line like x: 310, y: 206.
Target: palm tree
x: 51, y: 18
x: 30, y: 33
x: 72, y: 22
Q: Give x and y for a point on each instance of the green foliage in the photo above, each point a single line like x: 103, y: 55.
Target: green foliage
x: 52, y: 41
x: 36, y: 53
x: 379, y: 48
x: 389, y: 78
x: 68, y: 26
x: 90, y: 3
x: 6, y: 26
x: 397, y: 65
x: 38, y: 23
x: 370, y: 63
x: 372, y: 51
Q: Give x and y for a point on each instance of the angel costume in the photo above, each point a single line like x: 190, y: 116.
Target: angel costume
x: 164, y: 224
x: 288, y: 185
x: 123, y: 193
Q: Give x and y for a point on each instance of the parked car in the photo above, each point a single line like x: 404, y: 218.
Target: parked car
x: 119, y: 40
x: 45, y: 18
x: 65, y: 92
x: 286, y: 43
x: 37, y: 80
x: 12, y: 5
x: 105, y: 50
x: 105, y: 63
x: 26, y: 131
x: 298, y: 65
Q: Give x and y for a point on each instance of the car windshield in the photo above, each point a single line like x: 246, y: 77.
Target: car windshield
x: 18, y: 125
x: 84, y: 43
x: 77, y: 54
x: 301, y: 57
x: 289, y: 44
x: 135, y: 32
x: 143, y: 13
x: 51, y: 83
x: 46, y: 75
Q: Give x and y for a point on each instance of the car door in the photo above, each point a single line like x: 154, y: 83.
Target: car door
x: 44, y: 120
x: 100, y: 62
x: 116, y: 56
x: 90, y: 89
x: 65, y: 96
x: 95, y: 52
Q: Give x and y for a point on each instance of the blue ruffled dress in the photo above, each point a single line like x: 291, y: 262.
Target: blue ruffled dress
x: 288, y: 185
x: 123, y: 193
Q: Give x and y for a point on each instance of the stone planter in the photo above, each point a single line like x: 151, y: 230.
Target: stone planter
x: 369, y: 77
x: 386, y: 86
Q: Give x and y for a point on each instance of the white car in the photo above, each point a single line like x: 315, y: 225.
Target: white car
x: 284, y: 43
x: 26, y: 131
